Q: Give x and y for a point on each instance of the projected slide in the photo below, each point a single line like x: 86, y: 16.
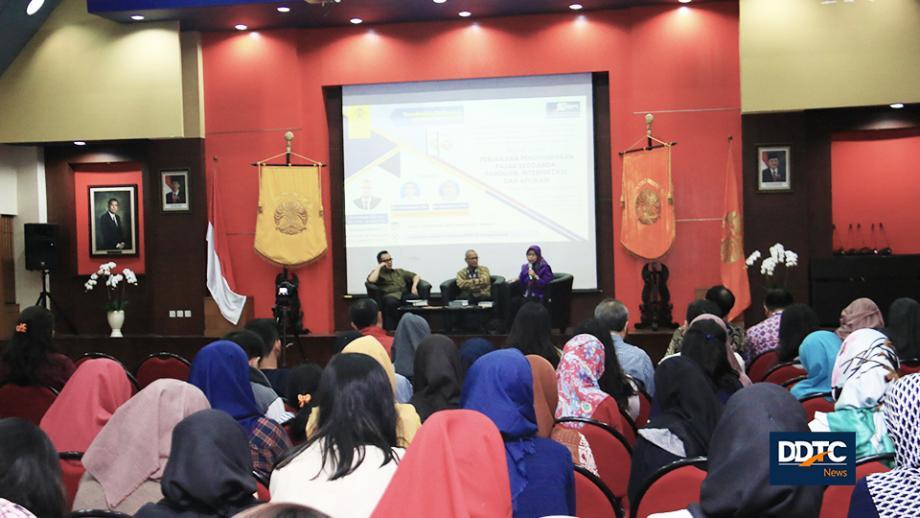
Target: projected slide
x: 434, y: 168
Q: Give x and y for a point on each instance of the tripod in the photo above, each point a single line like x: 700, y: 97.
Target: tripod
x: 45, y: 297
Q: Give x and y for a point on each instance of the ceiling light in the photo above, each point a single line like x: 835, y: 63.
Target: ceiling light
x: 284, y: 9
x: 685, y: 1
x: 137, y: 17
x: 897, y: 106
x: 465, y: 14
x: 79, y: 143
x: 34, y: 6
x: 439, y: 1
x: 576, y: 7
x: 356, y: 21
x: 240, y: 27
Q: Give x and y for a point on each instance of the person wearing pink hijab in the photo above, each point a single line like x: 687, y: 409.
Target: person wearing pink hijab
x: 85, y: 405
x: 125, y: 462
x: 860, y: 314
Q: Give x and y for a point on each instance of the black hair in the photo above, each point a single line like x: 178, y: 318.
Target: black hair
x: 30, y: 471
x: 364, y: 313
x: 723, y: 297
x: 531, y: 330
x: 303, y: 379
x: 904, y: 327
x: 701, y: 307
x: 267, y: 331
x: 613, y: 314
x: 297, y: 512
x: 357, y: 410
x: 777, y: 298
x: 704, y: 343
x: 344, y: 338
x: 796, y: 322
x: 30, y: 345
x: 380, y: 254
x: 110, y: 201
x: 613, y: 381
x: 249, y: 341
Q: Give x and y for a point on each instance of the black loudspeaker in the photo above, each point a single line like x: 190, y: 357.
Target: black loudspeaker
x: 41, y: 246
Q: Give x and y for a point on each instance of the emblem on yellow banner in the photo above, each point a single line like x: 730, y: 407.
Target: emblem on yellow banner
x: 290, y: 228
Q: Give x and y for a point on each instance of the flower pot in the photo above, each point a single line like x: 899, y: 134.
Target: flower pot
x: 116, y: 319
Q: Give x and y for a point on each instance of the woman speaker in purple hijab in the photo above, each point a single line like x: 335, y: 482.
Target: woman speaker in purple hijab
x: 535, y: 274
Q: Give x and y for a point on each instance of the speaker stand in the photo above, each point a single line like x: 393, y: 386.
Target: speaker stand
x: 45, y: 297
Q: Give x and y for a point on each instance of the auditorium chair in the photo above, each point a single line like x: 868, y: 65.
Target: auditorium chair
x: 645, y: 408
x: 71, y: 472
x: 836, y: 501
x: 788, y: 384
x: 97, y: 513
x: 592, y: 498
x: 911, y: 366
x: 671, y: 488
x: 630, y: 430
x: 26, y: 402
x: 784, y: 372
x: 262, y: 483
x: 162, y: 365
x: 816, y: 403
x: 612, y: 454
x: 759, y: 366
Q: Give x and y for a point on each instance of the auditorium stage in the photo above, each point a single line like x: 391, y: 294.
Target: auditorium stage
x: 132, y: 349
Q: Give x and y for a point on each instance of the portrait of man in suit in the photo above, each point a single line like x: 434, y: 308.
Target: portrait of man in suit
x: 175, y: 190
x: 367, y: 200
x: 113, y: 216
x: 110, y: 230
x: 773, y: 166
x: 176, y: 193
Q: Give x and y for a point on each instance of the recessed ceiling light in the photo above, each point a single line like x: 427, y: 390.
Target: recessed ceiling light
x: 897, y: 106
x: 79, y: 143
x: 240, y: 27
x: 356, y: 21
x: 34, y: 6
x: 137, y: 17
x: 685, y: 1
x: 465, y: 14
x: 576, y: 7
x: 439, y: 1
x: 284, y: 9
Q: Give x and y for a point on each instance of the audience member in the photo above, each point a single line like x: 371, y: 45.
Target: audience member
x: 764, y: 337
x: 90, y: 397
x: 451, y: 470
x: 221, y: 372
x: 472, y: 349
x: 545, y: 393
x: 407, y: 419
x: 410, y: 332
x: 796, y: 322
x: 474, y: 281
x: 862, y: 313
x: 500, y: 385
x: 688, y: 414
x: 30, y: 472
x: 209, y: 471
x: 393, y: 283
x: 345, y: 466
x: 270, y: 363
x: 582, y: 364
x: 13, y: 510
x: 438, y: 376
x: 29, y: 357
x: 303, y: 382
x: 694, y: 309
x: 705, y: 345
x: 904, y: 327
x: 530, y: 332
x: 281, y: 510
x: 125, y: 462
x: 894, y: 493
x: 535, y: 276
x: 344, y: 338
x: 634, y: 361
x: 366, y: 319
x: 866, y: 365
x: 614, y: 381
x: 817, y: 355
x: 725, y: 301
x: 266, y: 398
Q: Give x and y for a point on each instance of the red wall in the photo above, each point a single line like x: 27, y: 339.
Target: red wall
x: 681, y: 62
x: 875, y: 180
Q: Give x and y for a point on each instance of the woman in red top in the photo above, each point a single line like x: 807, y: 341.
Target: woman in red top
x: 30, y: 358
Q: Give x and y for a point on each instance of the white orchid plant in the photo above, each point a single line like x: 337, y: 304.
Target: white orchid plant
x: 779, y: 255
x: 115, y: 284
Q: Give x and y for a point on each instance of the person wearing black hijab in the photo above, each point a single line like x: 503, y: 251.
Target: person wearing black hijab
x: 797, y: 322
x: 209, y: 471
x: 438, y: 376
x: 30, y: 472
x: 738, y: 482
x: 689, y: 413
x: 904, y: 327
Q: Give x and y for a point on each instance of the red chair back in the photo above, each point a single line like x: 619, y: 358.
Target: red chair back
x: 592, y: 498
x: 29, y: 403
x: 671, y: 488
x: 645, y: 409
x: 262, y: 493
x: 612, y: 454
x: 162, y: 365
x: 817, y: 403
x: 71, y: 471
x: 629, y: 428
x: 911, y: 366
x: 836, y: 502
x: 784, y: 372
x: 759, y: 366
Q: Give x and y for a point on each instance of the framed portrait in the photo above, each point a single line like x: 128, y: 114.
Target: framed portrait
x: 113, y: 220
x: 175, y: 195
x: 774, y: 171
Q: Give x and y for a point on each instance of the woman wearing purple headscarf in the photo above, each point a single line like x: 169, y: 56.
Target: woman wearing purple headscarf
x: 535, y: 274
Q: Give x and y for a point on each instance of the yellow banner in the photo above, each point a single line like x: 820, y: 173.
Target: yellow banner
x: 290, y: 226
x: 648, y: 226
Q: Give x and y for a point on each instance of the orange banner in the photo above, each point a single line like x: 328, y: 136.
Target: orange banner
x: 648, y: 203
x: 731, y: 253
